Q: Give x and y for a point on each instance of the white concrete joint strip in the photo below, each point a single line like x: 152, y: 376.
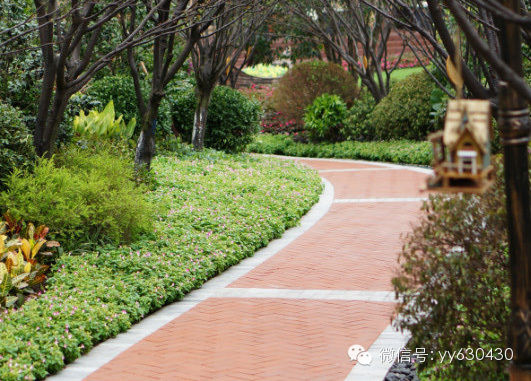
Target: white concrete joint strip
x: 356, y: 170
x: 274, y: 293
x: 384, y: 352
x: 103, y: 353
x: 396, y: 199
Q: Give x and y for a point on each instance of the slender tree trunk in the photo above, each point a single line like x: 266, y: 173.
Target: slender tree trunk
x: 200, y: 117
x: 145, y: 148
x: 48, y: 122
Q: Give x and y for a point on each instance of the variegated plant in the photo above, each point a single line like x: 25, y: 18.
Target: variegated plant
x: 20, y: 271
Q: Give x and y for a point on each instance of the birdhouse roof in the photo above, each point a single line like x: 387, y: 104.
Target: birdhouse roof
x: 478, y: 124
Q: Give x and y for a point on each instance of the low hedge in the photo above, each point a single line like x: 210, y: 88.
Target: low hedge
x: 396, y: 151
x: 213, y: 210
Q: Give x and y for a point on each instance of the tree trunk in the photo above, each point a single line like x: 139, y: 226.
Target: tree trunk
x: 145, y: 148
x: 200, y: 117
x: 48, y: 122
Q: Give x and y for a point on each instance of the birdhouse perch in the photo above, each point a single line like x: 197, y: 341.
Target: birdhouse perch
x: 461, y: 152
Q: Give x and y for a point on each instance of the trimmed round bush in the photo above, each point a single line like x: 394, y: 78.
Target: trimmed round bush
x: 325, y: 118
x: 405, y: 112
x: 299, y: 87
x: 232, y: 119
x: 16, y: 142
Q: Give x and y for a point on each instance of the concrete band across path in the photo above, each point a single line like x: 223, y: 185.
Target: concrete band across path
x: 292, y: 311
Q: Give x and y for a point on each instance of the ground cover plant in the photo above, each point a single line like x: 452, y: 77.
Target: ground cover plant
x: 393, y: 151
x: 212, y: 210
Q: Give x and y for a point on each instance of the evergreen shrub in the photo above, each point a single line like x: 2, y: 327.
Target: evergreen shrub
x: 453, y: 285
x: 232, y: 119
x: 325, y: 118
x: 357, y: 120
x: 405, y: 112
x: 16, y: 142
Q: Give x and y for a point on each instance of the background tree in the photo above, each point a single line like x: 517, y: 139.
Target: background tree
x: 351, y: 31
x: 430, y: 32
x: 69, y: 37
x: 170, y: 51
x: 222, y: 43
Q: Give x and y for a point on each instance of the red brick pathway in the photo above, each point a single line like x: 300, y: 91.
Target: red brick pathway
x: 352, y: 248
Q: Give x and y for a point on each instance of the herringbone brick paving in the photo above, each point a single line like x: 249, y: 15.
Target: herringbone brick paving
x: 353, y: 247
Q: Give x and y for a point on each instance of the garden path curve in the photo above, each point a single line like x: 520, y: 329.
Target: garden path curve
x: 293, y: 310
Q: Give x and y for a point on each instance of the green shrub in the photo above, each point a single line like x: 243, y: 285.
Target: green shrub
x: 325, y: 118
x: 232, y: 120
x: 82, y: 195
x: 356, y: 125
x: 454, y: 283
x: 397, y: 151
x: 120, y: 89
x: 299, y: 87
x: 16, y: 142
x: 405, y: 112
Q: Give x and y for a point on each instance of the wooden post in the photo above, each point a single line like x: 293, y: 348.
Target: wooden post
x: 513, y: 121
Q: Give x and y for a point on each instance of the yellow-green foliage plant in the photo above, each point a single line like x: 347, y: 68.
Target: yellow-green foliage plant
x: 103, y: 124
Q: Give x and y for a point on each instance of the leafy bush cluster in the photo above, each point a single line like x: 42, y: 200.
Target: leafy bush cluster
x: 82, y: 195
x: 454, y: 283
x: 103, y: 124
x: 325, y: 118
x: 119, y: 89
x: 212, y: 210
x: 16, y: 142
x: 397, y: 151
x: 232, y: 120
x: 405, y: 112
x: 299, y: 87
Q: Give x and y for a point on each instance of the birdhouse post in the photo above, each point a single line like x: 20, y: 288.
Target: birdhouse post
x: 513, y: 122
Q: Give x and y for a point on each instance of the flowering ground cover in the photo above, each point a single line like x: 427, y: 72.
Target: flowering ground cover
x: 212, y: 210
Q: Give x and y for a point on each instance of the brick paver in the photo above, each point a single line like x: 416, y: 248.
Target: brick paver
x: 254, y: 339
x: 353, y: 247
x: 274, y: 335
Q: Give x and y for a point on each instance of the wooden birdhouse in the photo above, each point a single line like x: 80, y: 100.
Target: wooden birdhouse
x: 461, y: 152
